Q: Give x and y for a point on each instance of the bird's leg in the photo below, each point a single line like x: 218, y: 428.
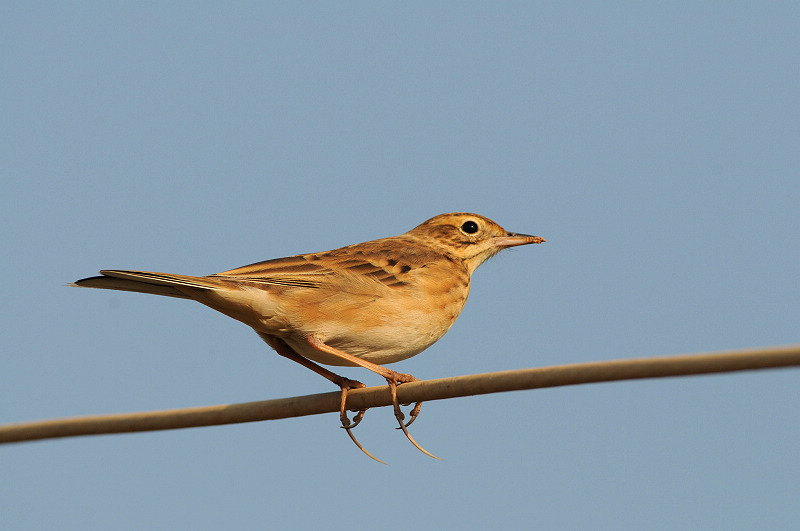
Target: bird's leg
x: 286, y: 351
x: 393, y: 378
x: 345, y: 384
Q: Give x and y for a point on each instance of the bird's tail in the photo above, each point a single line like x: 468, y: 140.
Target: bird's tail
x: 149, y: 282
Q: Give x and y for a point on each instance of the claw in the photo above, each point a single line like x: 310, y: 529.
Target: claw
x: 348, y: 426
x: 414, y: 414
x: 353, y: 438
x: 356, y: 419
x: 415, y: 443
x: 399, y: 416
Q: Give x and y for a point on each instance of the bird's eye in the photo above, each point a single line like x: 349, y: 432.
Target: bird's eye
x: 470, y: 227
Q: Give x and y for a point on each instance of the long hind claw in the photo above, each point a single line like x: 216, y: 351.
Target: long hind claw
x: 400, y: 417
x: 348, y: 425
x: 353, y: 438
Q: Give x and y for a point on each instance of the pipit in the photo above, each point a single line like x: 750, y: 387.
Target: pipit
x: 362, y: 305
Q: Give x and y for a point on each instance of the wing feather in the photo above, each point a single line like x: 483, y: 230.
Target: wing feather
x: 328, y: 268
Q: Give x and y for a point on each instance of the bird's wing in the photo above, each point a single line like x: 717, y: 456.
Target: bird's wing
x: 385, y: 263
x: 293, y: 271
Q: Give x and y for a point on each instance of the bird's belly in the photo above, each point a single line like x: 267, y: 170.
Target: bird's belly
x: 379, y: 344
x: 377, y: 334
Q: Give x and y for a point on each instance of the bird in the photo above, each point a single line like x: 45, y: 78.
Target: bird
x: 367, y: 304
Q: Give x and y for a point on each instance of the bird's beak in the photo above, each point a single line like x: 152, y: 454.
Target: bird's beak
x: 512, y: 239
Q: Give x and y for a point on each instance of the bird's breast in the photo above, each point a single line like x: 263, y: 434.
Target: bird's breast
x: 385, y: 326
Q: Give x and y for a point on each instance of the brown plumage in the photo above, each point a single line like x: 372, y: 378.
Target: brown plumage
x: 366, y: 304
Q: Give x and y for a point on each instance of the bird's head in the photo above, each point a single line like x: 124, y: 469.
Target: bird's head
x: 469, y: 237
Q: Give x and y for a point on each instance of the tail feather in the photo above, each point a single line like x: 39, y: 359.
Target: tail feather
x: 147, y: 282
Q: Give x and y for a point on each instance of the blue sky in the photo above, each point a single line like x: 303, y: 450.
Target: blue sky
x: 655, y: 146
